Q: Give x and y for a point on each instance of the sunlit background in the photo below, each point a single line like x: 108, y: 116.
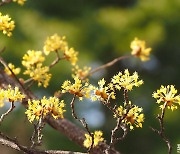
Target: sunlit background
x: 101, y: 31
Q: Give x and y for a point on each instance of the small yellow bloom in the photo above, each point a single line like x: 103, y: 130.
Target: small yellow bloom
x: 120, y: 111
x: 71, y: 55
x: 139, y: 49
x: 20, y: 2
x: 40, y: 74
x: 77, y: 88
x: 134, y: 117
x: 80, y: 73
x: 43, y: 107
x: 97, y: 138
x: 33, y: 62
x: 126, y: 80
x: 32, y: 58
x: 13, y: 95
x: 103, y: 92
x: 6, y: 24
x: 2, y: 97
x: 16, y: 71
x: 167, y: 95
x: 10, y: 95
x: 54, y: 43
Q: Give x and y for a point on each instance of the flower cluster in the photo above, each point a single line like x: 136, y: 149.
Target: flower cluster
x: 81, y: 73
x: 20, y: 2
x: 139, y: 49
x: 6, y: 24
x: 102, y: 92
x: 33, y: 61
x: 97, y: 138
x: 39, y: 74
x: 118, y: 81
x: 133, y: 116
x: 56, y: 43
x: 11, y: 95
x: 71, y: 55
x: 16, y: 71
x: 78, y: 88
x: 40, y: 108
x: 32, y: 57
x: 126, y: 80
x: 167, y: 95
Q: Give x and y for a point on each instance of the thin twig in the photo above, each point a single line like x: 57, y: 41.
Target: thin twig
x: 161, y: 132
x: 126, y: 99
x: 125, y: 132
x: 119, y: 123
x: 37, y: 133
x: 56, y: 60
x: 13, y: 144
x: 108, y: 105
x: 30, y: 84
x: 82, y: 121
x: 28, y: 80
x: 113, y: 132
x: 109, y: 64
x: 8, y: 111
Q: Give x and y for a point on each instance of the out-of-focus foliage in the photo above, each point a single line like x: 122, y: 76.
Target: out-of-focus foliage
x: 100, y: 31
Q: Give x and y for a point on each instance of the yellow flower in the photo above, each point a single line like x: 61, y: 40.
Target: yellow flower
x: 71, y: 55
x: 10, y: 95
x: 32, y: 58
x: 97, y: 138
x: 120, y: 111
x: 167, y: 95
x: 56, y: 107
x: 40, y: 74
x: 54, y: 43
x: 139, y: 49
x: 43, y: 107
x: 126, y: 80
x: 2, y: 97
x: 80, y: 73
x: 16, y: 71
x: 13, y: 95
x: 78, y: 88
x: 133, y: 118
x: 102, y: 92
x: 33, y: 62
x: 6, y: 24
x: 20, y: 2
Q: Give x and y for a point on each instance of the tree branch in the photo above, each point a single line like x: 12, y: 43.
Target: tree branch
x: 8, y: 111
x: 109, y: 64
x: 82, y: 121
x: 56, y: 60
x: 119, y: 123
x: 37, y: 132
x: 161, y: 132
x: 16, y: 81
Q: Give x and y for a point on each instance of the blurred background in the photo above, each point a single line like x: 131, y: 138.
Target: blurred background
x: 100, y: 30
